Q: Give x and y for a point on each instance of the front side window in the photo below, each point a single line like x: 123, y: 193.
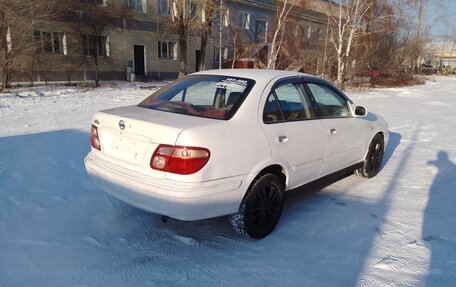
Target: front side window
x: 272, y: 112
x: 209, y: 96
x: 290, y: 101
x: 329, y: 103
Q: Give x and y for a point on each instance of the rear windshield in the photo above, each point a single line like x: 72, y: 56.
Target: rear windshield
x: 215, y: 97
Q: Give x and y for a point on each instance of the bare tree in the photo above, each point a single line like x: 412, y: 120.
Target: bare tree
x: 208, y: 10
x: 350, y: 24
x: 279, y: 32
x: 95, y: 20
x: 18, y: 20
x: 234, y: 36
x: 418, y: 44
x: 234, y: 32
x: 184, y: 18
x: 327, y: 30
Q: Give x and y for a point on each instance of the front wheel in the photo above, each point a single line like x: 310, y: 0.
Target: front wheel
x: 261, y: 208
x: 374, y: 157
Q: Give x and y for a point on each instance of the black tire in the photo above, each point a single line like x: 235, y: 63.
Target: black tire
x: 374, y: 157
x: 261, y: 207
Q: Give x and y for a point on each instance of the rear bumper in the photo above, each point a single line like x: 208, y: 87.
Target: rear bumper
x: 184, y: 201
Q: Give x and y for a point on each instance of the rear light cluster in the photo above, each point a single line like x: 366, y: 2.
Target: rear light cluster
x: 94, y: 140
x: 179, y: 159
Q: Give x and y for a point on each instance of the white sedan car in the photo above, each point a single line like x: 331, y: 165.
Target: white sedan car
x: 232, y: 142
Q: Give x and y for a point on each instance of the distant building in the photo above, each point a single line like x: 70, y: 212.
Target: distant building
x: 145, y: 47
x: 442, y: 55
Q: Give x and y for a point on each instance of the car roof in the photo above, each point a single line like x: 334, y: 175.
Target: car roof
x: 259, y: 75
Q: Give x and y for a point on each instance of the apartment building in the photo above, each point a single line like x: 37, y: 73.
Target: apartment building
x: 145, y: 46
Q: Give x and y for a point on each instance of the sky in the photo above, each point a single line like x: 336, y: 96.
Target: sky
x: 440, y: 15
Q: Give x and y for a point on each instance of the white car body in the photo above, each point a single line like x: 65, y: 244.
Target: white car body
x: 240, y: 149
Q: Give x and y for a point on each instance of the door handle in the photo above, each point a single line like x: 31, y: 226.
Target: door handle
x: 282, y: 139
x: 332, y: 131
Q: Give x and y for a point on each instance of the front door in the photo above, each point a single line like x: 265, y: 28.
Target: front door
x: 295, y: 137
x: 140, y: 69
x: 344, y: 139
x: 197, y: 59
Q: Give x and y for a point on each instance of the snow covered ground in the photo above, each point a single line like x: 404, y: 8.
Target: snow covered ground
x: 58, y: 229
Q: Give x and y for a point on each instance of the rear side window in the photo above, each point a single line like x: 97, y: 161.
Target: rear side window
x: 272, y: 112
x: 208, y: 96
x: 329, y: 103
x: 286, y: 103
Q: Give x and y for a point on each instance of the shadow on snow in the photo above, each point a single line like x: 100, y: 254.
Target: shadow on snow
x: 57, y: 228
x: 439, y: 222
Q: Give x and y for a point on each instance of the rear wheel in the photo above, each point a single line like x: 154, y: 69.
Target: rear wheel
x: 261, y: 208
x: 374, y: 157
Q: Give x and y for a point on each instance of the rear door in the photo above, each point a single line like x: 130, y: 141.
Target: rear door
x: 295, y: 136
x: 344, y: 132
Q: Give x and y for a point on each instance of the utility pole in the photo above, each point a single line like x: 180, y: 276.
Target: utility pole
x: 441, y: 55
x: 416, y: 49
x: 220, y: 33
x: 451, y: 53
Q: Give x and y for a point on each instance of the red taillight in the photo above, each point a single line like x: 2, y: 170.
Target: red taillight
x: 179, y: 159
x: 94, y: 140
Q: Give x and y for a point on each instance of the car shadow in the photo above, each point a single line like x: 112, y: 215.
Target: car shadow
x: 439, y: 222
x: 393, y: 142
x: 334, y: 227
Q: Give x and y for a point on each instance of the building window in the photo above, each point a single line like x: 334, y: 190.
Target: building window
x: 302, y: 35
x: 137, y: 5
x: 64, y: 44
x: 261, y: 29
x: 226, y: 18
x: 162, y: 7
x: 95, y: 46
x: 192, y: 9
x: 227, y: 53
x: 321, y: 34
x: 167, y: 50
x: 99, y: 2
x: 245, y: 20
x: 47, y: 42
x: 314, y: 33
x: 5, y: 39
x: 216, y: 54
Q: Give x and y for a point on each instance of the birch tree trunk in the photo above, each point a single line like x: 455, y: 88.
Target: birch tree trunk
x: 416, y: 48
x: 209, y: 11
x: 276, y: 42
x: 182, y: 52
x: 350, y: 25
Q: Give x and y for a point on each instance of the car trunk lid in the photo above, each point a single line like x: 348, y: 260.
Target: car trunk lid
x: 130, y: 135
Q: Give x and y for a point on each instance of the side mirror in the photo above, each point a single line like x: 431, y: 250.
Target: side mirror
x: 360, y: 111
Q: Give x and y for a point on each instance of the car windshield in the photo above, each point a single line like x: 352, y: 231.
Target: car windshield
x: 209, y: 96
